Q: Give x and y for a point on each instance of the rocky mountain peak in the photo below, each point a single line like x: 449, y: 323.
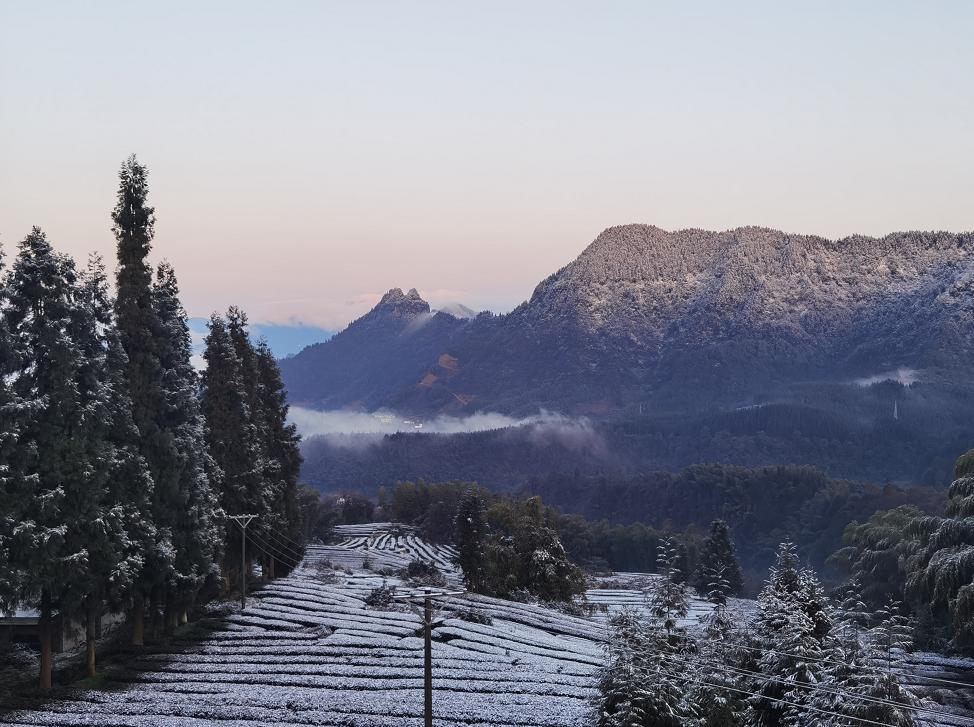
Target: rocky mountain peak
x: 402, y: 305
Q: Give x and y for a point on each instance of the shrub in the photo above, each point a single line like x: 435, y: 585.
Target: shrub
x: 423, y: 573
x: 475, y: 617
x: 380, y: 597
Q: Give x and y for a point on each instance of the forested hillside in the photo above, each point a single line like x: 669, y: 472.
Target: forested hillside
x: 750, y: 346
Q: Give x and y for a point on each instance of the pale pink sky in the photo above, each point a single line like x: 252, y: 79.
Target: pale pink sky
x: 307, y: 156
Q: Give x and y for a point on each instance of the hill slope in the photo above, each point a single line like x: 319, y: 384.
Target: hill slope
x: 666, y: 320
x: 788, y: 348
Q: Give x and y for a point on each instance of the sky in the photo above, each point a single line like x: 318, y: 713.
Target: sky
x: 305, y: 157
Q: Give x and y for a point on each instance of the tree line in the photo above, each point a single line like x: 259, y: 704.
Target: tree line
x: 119, y: 463
x: 519, y: 547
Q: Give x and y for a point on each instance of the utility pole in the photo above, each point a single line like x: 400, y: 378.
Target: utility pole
x: 243, y: 521
x: 427, y: 595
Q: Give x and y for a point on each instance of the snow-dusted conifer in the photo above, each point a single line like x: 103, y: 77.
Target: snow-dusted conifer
x: 470, y: 535
x: 51, y: 477
x: 639, y: 686
x: 668, y: 599
x: 281, y: 452
x: 116, y: 489
x: 793, y: 624
x: 718, y: 553
x: 139, y: 333
x: 197, y: 532
x: 231, y: 437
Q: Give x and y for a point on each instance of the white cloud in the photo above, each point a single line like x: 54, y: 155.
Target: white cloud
x: 903, y: 376
x: 345, y: 428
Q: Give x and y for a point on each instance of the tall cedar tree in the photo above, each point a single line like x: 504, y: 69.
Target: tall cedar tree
x: 59, y: 499
x: 119, y: 485
x: 718, y: 556
x: 12, y: 418
x: 274, y: 498
x: 138, y: 328
x: 282, y: 451
x: 470, y: 532
x: 231, y: 436
x: 189, y: 474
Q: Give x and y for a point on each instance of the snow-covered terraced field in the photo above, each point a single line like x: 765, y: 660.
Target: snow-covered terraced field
x: 308, y: 651
x: 628, y: 590
x: 383, y: 539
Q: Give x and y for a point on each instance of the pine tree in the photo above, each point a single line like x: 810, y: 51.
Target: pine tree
x: 794, y: 624
x: 51, y: 472
x: 117, y: 487
x: 719, y: 698
x: 281, y: 453
x: 639, y: 686
x: 139, y: 332
x: 668, y: 599
x: 231, y: 437
x: 851, y: 684
x: 941, y: 566
x: 718, y: 554
x: 470, y: 531
x: 13, y: 414
x: 186, y: 474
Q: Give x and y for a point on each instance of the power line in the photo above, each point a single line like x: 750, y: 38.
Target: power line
x: 265, y: 549
x: 271, y: 537
x: 697, y: 680
x: 834, y: 692
x: 878, y: 670
x: 274, y: 549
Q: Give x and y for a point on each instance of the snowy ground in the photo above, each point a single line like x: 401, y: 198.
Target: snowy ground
x: 309, y: 651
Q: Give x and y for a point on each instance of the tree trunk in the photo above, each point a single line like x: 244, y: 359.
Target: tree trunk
x: 44, y: 633
x: 91, y: 620
x: 138, y: 621
x: 154, y: 613
x: 271, y: 568
x: 184, y: 618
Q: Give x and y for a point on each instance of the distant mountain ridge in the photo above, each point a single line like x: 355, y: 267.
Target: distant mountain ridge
x: 649, y: 319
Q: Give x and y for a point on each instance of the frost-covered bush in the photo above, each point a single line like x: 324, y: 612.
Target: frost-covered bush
x: 423, y: 573
x: 475, y: 617
x: 380, y: 597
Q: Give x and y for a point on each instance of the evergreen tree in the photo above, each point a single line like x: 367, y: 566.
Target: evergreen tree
x: 282, y: 454
x: 718, y: 555
x: 231, y: 436
x: 941, y: 566
x: 668, y: 599
x: 139, y: 333
x: 639, y: 686
x: 470, y: 529
x: 851, y: 684
x: 13, y: 413
x: 118, y: 485
x: 50, y: 475
x: 794, y: 623
x: 187, y: 473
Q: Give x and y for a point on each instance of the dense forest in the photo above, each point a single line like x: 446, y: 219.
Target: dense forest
x: 885, y: 432
x: 119, y: 464
x: 763, y: 506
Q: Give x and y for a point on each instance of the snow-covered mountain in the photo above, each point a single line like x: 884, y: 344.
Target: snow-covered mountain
x: 649, y: 319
